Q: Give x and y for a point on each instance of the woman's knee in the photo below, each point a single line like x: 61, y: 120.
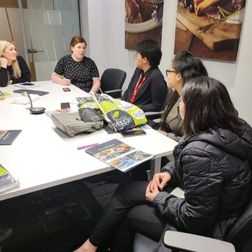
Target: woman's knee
x: 132, y: 190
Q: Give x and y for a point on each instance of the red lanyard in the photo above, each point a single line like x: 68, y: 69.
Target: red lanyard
x: 137, y: 87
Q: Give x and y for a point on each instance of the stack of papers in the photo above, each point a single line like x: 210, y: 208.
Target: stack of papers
x: 22, y: 99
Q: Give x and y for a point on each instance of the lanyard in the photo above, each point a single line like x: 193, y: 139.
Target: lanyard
x: 137, y: 87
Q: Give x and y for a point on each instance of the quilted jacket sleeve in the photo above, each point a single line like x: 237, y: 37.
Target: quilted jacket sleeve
x: 202, y: 184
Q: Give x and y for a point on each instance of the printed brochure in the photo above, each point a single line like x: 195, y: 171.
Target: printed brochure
x: 119, y: 154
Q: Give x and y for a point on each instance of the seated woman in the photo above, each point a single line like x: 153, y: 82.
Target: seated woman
x: 211, y: 165
x: 77, y: 69
x: 183, y: 68
x: 13, y: 68
x: 147, y: 88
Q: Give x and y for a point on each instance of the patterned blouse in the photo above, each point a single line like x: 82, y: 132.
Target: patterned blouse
x: 80, y: 73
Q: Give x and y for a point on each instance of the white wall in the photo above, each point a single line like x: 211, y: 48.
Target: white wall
x: 103, y: 27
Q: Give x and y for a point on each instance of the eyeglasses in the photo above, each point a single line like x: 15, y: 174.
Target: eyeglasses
x: 167, y: 71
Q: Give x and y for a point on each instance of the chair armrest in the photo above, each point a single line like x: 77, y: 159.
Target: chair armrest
x: 150, y: 113
x: 113, y: 91
x: 197, y: 243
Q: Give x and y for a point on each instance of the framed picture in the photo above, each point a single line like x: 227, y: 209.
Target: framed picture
x: 143, y: 20
x: 209, y: 28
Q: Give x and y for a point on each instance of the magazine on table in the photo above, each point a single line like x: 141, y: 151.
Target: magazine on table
x: 119, y: 154
x: 7, y: 181
x: 8, y: 136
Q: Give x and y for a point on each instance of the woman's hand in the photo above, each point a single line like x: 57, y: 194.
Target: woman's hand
x: 65, y: 82
x: 162, y: 132
x: 60, y: 79
x: 156, y: 185
x: 3, y: 62
x: 151, y: 191
x: 161, y: 179
x: 96, y: 85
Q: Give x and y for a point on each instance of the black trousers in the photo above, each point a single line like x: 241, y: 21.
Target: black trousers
x: 127, y: 213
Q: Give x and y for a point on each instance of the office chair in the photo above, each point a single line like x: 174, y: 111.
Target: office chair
x: 112, y: 81
x: 154, y: 118
x: 240, y: 236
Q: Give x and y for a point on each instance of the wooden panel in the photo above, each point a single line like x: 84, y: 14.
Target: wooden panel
x: 215, y: 35
x: 12, y: 4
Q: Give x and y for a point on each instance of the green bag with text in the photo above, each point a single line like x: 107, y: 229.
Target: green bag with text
x: 120, y: 115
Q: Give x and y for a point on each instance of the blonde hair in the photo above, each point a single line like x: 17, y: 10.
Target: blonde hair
x: 15, y: 66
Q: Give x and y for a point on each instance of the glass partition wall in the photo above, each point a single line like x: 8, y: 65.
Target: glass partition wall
x: 41, y: 29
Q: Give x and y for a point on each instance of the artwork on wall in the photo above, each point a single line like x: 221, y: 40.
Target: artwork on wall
x: 143, y: 20
x: 210, y: 29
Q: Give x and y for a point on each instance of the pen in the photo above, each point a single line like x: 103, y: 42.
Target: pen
x: 86, y: 146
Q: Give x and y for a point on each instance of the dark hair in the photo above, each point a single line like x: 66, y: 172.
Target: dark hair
x: 208, y: 105
x: 151, y: 50
x: 76, y: 40
x: 189, y: 67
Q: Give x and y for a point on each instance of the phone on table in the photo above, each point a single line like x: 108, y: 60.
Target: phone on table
x: 133, y: 132
x: 66, y: 89
x: 27, y: 84
x: 65, y: 105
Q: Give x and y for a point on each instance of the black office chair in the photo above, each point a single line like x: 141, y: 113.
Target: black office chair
x: 240, y: 236
x: 112, y: 81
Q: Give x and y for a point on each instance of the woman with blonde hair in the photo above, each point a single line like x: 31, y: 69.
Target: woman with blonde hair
x: 13, y: 68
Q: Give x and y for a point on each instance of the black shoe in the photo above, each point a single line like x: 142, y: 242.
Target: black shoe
x: 5, y: 233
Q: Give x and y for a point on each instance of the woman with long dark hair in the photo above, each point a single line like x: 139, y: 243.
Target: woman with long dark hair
x: 183, y: 68
x: 212, y: 165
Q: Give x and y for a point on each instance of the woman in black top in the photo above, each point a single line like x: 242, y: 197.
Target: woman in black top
x: 77, y: 69
x: 147, y: 88
x: 212, y: 165
x: 183, y: 68
x: 13, y: 68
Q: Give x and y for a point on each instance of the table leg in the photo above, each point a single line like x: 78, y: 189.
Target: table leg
x: 155, y: 167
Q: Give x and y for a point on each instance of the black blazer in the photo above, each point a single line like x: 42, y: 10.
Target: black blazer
x: 152, y: 93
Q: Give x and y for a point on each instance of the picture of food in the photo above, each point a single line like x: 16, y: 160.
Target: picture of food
x: 113, y: 152
x: 122, y: 163
x: 138, y: 11
x: 2, y: 133
x: 143, y: 20
x: 209, y: 28
x: 125, y: 162
x: 122, y: 148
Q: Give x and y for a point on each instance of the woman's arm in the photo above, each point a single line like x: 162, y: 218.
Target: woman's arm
x: 96, y: 85
x: 25, y: 71
x: 3, y: 72
x: 202, y: 194
x: 59, y: 79
x: 58, y: 75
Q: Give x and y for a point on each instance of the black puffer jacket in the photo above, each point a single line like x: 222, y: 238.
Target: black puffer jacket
x: 214, y: 170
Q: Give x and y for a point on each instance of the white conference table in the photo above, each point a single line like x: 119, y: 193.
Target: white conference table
x: 42, y: 156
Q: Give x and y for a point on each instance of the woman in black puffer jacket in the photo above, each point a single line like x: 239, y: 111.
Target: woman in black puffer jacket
x: 212, y: 165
